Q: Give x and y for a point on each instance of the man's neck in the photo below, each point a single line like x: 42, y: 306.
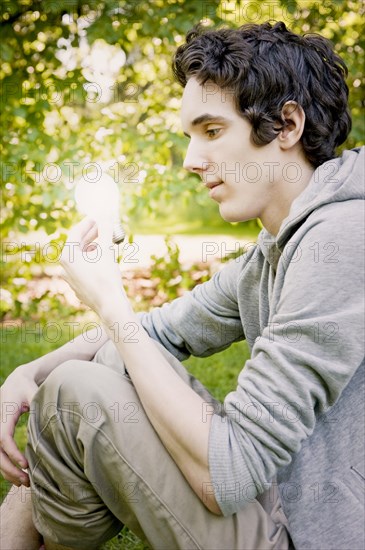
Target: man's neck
x: 285, y: 193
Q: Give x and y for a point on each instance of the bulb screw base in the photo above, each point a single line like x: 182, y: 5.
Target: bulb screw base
x: 118, y: 233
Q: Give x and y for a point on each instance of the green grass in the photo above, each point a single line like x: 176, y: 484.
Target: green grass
x: 218, y: 373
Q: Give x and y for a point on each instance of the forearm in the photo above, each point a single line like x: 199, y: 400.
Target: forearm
x: 173, y: 408
x: 81, y: 347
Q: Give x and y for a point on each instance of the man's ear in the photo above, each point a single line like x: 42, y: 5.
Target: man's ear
x: 294, y: 117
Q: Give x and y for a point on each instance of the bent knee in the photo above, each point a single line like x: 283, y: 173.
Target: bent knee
x: 73, y: 375
x: 77, y: 381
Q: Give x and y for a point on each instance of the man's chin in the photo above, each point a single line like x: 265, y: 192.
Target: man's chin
x: 231, y: 217
x: 225, y: 214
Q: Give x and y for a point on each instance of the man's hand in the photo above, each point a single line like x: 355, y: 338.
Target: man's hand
x: 16, y: 395
x: 90, y: 267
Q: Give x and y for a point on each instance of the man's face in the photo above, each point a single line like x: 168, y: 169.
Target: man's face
x: 239, y: 176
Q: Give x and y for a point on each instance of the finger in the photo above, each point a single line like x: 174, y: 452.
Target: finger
x: 11, y: 473
x: 11, y: 450
x: 7, y: 438
x: 82, y: 234
x: 90, y: 247
x: 90, y: 237
x: 78, y: 232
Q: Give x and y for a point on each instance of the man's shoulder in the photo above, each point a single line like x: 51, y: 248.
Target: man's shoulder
x: 342, y: 219
x: 335, y: 211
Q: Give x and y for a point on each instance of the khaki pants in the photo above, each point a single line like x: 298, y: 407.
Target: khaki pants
x: 96, y: 463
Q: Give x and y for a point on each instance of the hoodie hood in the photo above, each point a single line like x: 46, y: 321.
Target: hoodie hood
x: 337, y: 180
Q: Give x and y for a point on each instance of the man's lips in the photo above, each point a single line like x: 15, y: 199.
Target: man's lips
x: 212, y: 188
x: 213, y: 184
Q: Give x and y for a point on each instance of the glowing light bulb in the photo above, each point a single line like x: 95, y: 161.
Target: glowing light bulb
x: 99, y: 199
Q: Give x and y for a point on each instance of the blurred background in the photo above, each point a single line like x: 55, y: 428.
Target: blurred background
x: 89, y: 82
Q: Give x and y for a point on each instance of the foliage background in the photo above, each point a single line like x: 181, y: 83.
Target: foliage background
x: 90, y: 82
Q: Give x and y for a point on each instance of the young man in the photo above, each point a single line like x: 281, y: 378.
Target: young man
x: 280, y: 463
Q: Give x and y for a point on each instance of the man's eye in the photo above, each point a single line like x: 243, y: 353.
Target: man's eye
x: 213, y: 132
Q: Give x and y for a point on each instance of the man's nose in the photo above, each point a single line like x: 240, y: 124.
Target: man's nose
x: 194, y: 159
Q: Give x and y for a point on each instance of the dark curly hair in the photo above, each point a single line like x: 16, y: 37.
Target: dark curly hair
x: 267, y: 65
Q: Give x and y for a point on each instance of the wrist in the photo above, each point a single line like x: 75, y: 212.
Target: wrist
x: 36, y: 370
x: 116, y: 310
x: 28, y: 370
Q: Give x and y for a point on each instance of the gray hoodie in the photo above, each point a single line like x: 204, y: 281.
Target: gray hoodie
x: 297, y: 416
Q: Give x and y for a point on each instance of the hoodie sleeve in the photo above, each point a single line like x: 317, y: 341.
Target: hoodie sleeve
x: 302, y: 361
x: 203, y: 321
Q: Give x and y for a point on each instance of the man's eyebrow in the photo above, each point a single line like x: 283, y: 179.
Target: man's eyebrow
x: 207, y: 118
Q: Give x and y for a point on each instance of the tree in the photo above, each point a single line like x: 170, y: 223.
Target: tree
x: 85, y: 82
